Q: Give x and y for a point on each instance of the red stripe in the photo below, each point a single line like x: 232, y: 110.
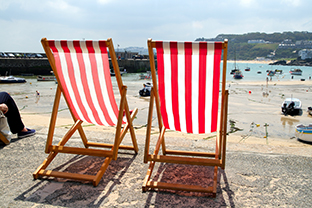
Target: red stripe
x: 188, y: 86
x: 161, y: 84
x: 216, y: 80
x: 174, y: 84
x: 202, y: 86
x: 82, y: 75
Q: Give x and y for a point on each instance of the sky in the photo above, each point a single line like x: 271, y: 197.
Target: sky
x: 131, y: 22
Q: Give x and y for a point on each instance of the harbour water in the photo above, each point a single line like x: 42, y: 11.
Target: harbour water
x: 28, y: 102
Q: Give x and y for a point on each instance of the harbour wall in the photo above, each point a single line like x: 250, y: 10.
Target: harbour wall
x: 41, y: 66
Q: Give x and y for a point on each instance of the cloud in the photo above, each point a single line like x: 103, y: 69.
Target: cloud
x: 247, y: 3
x: 104, y: 1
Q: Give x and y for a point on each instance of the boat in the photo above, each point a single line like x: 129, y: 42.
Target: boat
x: 112, y: 73
x: 146, y: 91
x: 46, y: 78
x: 11, y: 79
x: 236, y: 69
x: 148, y: 75
x: 259, y: 72
x: 238, y: 75
x: 278, y: 71
x: 296, y: 72
x: 247, y: 68
x: 271, y: 73
x: 304, y: 133
x: 310, y: 110
x: 291, y: 106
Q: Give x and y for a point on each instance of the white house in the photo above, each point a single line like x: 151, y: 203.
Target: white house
x: 305, y: 53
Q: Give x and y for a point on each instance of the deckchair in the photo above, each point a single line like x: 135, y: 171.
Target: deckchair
x: 83, y: 75
x: 186, y: 97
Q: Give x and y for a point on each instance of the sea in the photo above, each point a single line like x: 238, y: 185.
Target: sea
x: 259, y: 72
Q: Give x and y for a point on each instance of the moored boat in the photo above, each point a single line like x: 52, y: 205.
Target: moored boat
x: 238, y: 75
x: 247, y: 68
x: 295, y: 72
x: 304, y: 133
x: 148, y: 75
x: 46, y: 78
x: 271, y: 73
x: 11, y: 79
x: 291, y: 106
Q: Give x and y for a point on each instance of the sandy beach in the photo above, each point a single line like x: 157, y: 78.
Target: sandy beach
x: 259, y: 171
x: 247, y: 105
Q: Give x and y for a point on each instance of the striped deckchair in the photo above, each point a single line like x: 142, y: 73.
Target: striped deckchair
x: 83, y: 75
x: 187, y: 100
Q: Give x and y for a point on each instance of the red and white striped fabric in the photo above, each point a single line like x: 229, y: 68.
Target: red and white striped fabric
x: 84, y: 74
x: 188, y: 79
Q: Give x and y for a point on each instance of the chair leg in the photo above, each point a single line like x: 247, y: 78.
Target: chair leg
x: 101, y: 171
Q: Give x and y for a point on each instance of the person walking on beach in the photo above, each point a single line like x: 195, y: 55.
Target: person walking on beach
x: 10, y: 110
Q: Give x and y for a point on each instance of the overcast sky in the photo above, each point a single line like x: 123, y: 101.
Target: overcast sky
x: 131, y: 22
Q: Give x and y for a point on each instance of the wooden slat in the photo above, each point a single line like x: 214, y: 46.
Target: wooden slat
x: 82, y: 151
x: 104, y: 145
x: 185, y: 160
x: 183, y: 187
x: 57, y: 174
x: 4, y: 140
x: 190, y: 153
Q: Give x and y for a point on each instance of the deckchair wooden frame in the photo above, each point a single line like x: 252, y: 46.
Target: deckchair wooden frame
x: 4, y: 140
x: 111, y: 154
x: 216, y: 159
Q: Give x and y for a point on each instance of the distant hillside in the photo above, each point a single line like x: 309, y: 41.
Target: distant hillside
x: 275, y: 46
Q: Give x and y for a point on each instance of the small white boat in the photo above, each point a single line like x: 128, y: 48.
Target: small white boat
x: 304, y: 133
x: 148, y: 75
x: 11, y: 79
x: 296, y: 72
x: 46, y: 78
x: 291, y: 106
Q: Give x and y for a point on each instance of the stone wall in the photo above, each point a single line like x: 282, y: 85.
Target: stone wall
x: 41, y: 66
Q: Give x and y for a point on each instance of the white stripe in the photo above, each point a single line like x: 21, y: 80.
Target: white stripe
x: 195, y: 86
x: 167, y: 83
x: 209, y: 85
x: 67, y: 79
x: 181, y: 86
x: 100, y: 66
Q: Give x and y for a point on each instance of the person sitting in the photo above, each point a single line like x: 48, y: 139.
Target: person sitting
x: 10, y: 110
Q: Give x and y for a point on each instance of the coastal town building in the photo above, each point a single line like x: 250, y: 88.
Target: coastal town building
x: 259, y: 41
x: 305, y: 54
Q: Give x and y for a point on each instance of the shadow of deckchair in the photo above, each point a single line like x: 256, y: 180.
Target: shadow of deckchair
x: 74, y: 193
x: 191, y: 175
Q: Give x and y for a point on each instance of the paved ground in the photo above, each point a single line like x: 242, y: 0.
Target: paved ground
x: 249, y: 180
